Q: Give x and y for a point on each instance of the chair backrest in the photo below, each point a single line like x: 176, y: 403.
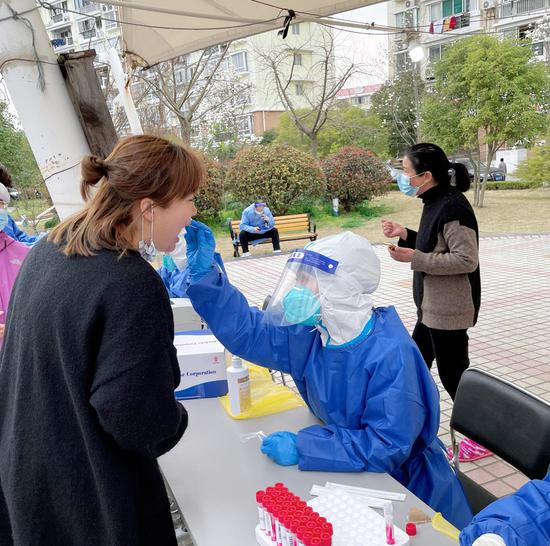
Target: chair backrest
x: 285, y: 224
x: 512, y: 423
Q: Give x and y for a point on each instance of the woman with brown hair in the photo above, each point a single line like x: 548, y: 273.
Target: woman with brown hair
x: 88, y: 368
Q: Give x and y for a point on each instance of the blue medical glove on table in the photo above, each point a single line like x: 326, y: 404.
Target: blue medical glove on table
x: 200, y: 250
x: 281, y: 448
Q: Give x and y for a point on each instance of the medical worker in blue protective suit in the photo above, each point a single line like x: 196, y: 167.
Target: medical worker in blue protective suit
x: 521, y: 519
x: 7, y: 223
x: 356, y: 367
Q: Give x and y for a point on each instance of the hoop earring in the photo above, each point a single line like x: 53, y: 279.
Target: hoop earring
x: 147, y: 249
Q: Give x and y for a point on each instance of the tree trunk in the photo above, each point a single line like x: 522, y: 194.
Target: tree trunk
x: 477, y: 177
x: 185, y: 130
x: 489, y: 158
x: 314, y: 144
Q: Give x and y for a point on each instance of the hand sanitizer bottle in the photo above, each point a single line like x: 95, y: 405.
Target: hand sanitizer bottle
x: 238, y: 383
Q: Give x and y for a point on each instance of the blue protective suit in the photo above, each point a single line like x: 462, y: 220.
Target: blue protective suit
x: 521, y: 519
x: 376, y: 396
x: 250, y: 220
x: 13, y: 231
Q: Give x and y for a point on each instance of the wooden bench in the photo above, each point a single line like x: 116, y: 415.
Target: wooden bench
x: 293, y: 227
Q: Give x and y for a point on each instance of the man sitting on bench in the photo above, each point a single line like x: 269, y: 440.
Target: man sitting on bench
x: 257, y: 225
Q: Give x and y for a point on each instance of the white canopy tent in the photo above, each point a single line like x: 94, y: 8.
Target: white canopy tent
x: 161, y: 30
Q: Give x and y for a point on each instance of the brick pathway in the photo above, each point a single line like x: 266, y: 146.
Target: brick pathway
x: 510, y: 340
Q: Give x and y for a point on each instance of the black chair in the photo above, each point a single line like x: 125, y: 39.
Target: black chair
x: 513, y: 423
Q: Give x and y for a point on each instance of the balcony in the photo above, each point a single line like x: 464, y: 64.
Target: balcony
x: 91, y: 7
x: 61, y: 43
x: 87, y: 34
x: 522, y: 7
x: 59, y: 20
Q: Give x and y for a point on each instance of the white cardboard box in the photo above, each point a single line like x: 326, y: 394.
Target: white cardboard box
x: 185, y: 317
x: 202, y: 365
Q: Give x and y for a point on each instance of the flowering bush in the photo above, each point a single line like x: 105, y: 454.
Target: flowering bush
x: 278, y: 175
x: 354, y: 175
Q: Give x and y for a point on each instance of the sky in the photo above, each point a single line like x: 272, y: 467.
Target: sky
x: 369, y: 50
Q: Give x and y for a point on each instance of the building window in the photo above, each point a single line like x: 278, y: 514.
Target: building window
x: 295, y: 29
x: 510, y: 34
x: 246, y: 125
x: 297, y: 59
x: 110, y: 19
x: 400, y: 19
x: 86, y: 6
x: 538, y: 49
x: 435, y: 53
x: 87, y: 28
x: 179, y: 76
x: 406, y: 19
x: 524, y: 31
x: 183, y: 75
x: 299, y: 89
x: 434, y: 12
x: 447, y: 8
x: 240, y: 61
x: 402, y: 62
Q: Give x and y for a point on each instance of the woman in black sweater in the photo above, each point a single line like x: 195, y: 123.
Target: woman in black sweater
x: 88, y: 368
x: 444, y: 257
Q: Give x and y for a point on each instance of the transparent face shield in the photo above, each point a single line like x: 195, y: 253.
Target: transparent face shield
x: 297, y: 298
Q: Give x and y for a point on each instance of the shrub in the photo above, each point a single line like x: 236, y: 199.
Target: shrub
x: 208, y: 199
x: 512, y: 185
x: 51, y: 223
x: 536, y: 169
x: 277, y: 174
x: 355, y: 175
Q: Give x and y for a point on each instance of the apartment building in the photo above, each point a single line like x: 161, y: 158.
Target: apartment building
x: 433, y: 24
x: 360, y: 95
x: 75, y: 25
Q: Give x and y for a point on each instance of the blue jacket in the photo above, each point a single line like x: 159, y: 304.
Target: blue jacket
x: 14, y: 232
x: 376, y: 397
x: 250, y: 220
x: 521, y: 519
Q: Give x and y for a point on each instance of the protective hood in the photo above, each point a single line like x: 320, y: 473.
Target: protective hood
x: 327, y: 285
x: 346, y: 303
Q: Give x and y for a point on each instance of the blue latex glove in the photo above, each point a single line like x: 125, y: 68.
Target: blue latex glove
x: 200, y: 250
x: 281, y: 448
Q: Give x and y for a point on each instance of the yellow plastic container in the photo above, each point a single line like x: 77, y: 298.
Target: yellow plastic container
x: 439, y: 523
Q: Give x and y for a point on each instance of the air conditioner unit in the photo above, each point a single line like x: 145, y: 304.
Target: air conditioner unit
x: 489, y: 4
x: 410, y: 3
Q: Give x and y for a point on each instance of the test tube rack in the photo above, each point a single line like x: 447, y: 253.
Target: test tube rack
x: 354, y: 523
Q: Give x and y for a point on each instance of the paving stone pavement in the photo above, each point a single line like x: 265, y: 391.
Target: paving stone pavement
x: 510, y: 340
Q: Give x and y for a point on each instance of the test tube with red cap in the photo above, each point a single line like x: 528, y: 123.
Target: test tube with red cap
x: 289, y: 521
x: 260, y: 495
